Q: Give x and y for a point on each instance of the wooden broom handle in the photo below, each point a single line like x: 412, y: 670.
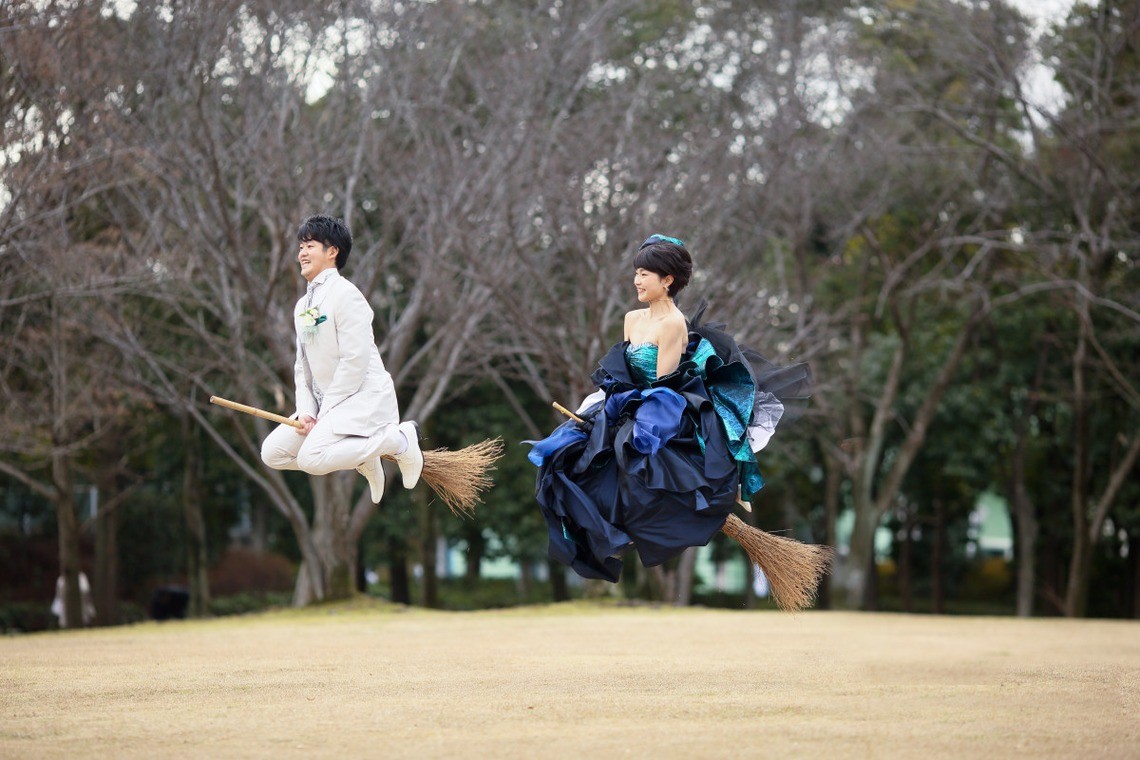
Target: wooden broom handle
x: 256, y: 412
x: 567, y: 412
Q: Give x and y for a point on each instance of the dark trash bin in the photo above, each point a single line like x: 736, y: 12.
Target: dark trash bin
x: 169, y: 603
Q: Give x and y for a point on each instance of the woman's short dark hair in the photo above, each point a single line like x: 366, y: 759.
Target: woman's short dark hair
x: 327, y: 231
x: 666, y: 256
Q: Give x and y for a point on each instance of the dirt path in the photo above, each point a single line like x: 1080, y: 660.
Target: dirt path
x: 575, y: 681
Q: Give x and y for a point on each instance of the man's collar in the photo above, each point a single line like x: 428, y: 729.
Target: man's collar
x: 324, y: 276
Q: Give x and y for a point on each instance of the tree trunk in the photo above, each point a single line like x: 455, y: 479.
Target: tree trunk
x: 259, y: 529
x: 1077, y: 592
x: 1025, y: 519
x: 686, y: 574
x: 905, y: 563
x: 68, y: 540
x: 398, y: 571
x: 106, y: 580
x: 197, y: 554
x: 1134, y: 563
x: 429, y: 583
x: 64, y: 490
x: 560, y: 590
x: 832, y: 483
x: 360, y: 580
x: 332, y: 536
x: 872, y: 502
x: 1076, y: 588
x: 334, y: 546
x: 1024, y: 514
x: 937, y: 589
x: 476, y: 545
x: 859, y: 564
x: 108, y: 497
x: 871, y: 593
x: 662, y: 580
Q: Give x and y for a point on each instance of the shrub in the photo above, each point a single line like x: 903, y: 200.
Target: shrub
x: 247, y: 571
x: 240, y: 604
x: 26, y: 617
x: 987, y: 579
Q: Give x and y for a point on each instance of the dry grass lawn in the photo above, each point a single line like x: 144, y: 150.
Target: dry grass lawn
x: 369, y: 680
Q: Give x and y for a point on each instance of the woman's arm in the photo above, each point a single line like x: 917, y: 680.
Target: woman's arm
x: 670, y: 346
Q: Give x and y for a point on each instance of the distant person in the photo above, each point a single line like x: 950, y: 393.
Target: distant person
x: 345, y: 397
x: 86, y: 602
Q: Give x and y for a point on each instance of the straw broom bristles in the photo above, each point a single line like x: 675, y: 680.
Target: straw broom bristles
x: 793, y: 568
x: 460, y: 477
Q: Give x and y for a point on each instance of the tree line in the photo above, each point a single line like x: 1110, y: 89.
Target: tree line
x: 874, y: 189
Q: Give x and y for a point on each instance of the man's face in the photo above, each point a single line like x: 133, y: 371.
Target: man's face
x: 314, y: 258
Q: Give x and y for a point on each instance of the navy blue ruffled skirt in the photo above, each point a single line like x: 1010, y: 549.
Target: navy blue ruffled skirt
x: 659, y: 464
x: 604, y: 490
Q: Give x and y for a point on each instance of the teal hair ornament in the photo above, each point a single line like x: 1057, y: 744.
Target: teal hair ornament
x: 661, y: 239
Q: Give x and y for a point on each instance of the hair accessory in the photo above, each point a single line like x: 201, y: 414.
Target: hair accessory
x: 661, y: 239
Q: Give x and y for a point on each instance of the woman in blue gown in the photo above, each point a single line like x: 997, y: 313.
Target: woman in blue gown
x: 665, y: 448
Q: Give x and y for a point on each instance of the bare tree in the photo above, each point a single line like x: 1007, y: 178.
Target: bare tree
x: 860, y: 232
x: 1080, y: 242
x: 60, y: 263
x: 395, y: 144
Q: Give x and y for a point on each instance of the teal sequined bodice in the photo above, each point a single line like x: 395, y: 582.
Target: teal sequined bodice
x: 642, y: 360
x: 730, y: 389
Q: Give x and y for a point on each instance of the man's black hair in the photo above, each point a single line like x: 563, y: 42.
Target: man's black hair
x: 327, y: 231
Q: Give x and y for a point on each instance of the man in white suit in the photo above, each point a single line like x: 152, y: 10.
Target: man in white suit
x: 345, y: 396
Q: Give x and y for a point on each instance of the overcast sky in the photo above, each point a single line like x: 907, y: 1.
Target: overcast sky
x: 1039, y: 84
x: 1050, y: 10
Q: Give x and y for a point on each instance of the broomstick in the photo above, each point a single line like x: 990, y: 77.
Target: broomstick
x: 793, y: 568
x: 457, y: 477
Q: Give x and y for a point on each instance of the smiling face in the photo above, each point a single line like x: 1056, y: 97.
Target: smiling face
x: 650, y: 285
x: 314, y: 258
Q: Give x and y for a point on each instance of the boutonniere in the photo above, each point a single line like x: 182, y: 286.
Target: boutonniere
x: 310, y: 318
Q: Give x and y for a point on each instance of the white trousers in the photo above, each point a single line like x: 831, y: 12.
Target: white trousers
x: 324, y: 450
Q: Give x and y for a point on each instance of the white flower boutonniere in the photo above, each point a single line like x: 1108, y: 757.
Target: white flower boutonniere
x: 310, y: 318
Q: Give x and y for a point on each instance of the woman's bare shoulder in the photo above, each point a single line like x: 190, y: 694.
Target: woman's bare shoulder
x: 676, y: 322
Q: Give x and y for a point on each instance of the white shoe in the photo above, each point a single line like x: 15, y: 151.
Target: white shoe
x: 373, y: 472
x: 411, y: 462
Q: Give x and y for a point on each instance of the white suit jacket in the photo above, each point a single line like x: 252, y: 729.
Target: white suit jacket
x: 345, y: 371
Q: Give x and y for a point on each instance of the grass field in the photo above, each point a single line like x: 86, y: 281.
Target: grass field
x: 372, y: 680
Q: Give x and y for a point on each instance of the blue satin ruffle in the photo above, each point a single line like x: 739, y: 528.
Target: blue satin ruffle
x: 563, y: 436
x: 656, y: 415
x: 730, y: 387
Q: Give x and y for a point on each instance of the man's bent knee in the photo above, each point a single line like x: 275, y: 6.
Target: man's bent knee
x: 315, y: 462
x: 277, y: 457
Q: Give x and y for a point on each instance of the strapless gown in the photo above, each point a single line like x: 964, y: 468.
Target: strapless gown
x: 659, y: 462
